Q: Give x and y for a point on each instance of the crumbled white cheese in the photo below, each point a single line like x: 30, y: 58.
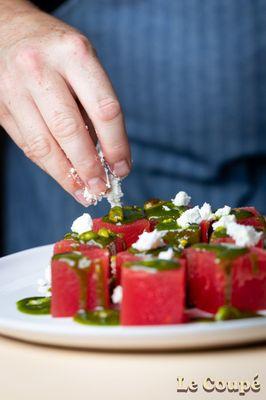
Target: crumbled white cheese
x: 224, y: 221
x: 181, y: 199
x: 166, y: 255
x: 222, y: 212
x: 82, y: 224
x: 165, y: 208
x: 115, y: 193
x: 117, y: 295
x: 244, y: 236
x: 44, y: 285
x: 190, y: 216
x: 206, y: 212
x: 92, y: 199
x: 149, y: 240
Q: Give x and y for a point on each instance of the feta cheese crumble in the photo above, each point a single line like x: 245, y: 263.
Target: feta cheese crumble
x: 149, y: 240
x: 117, y: 295
x: 166, y: 255
x: 224, y: 221
x: 115, y: 193
x: 181, y: 199
x: 243, y: 235
x: 190, y: 216
x: 82, y: 224
x: 206, y: 212
x: 222, y: 212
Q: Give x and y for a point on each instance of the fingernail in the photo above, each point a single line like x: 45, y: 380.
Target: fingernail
x: 80, y: 197
x: 97, y: 185
x: 121, y: 168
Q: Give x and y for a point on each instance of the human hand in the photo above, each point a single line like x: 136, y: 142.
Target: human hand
x: 51, y: 87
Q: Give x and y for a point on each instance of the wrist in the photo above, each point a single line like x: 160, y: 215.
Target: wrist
x: 16, y: 18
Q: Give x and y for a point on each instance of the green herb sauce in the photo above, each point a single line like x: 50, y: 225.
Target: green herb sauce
x: 159, y: 209
x: 105, y: 317
x: 241, y: 214
x: 158, y: 264
x: 222, y: 252
x: 35, y: 305
x: 124, y: 215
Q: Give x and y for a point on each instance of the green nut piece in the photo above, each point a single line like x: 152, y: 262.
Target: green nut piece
x: 104, y: 232
x: 87, y: 236
x: 116, y: 214
x: 228, y: 312
x: 71, y: 235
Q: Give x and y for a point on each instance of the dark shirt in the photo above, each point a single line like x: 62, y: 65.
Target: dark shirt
x: 48, y: 5
x: 191, y: 78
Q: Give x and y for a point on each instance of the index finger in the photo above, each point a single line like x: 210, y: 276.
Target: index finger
x: 95, y: 92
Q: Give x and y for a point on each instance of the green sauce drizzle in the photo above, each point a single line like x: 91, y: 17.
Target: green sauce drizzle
x: 241, y: 214
x: 105, y: 317
x: 102, y: 238
x: 159, y: 265
x: 222, y: 252
x: 35, y: 305
x: 80, y: 264
x: 155, y: 209
x: 183, y: 237
x: 124, y: 215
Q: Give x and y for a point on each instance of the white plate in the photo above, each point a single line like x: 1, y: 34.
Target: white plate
x: 18, y: 276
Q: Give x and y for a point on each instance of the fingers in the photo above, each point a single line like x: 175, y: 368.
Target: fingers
x: 38, y: 144
x: 63, y: 119
x: 9, y: 125
x: 94, y: 90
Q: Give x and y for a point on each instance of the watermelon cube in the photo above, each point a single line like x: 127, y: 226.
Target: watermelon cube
x: 114, y: 243
x: 219, y: 275
x: 130, y: 231
x: 80, y: 280
x: 249, y: 216
x: 119, y: 260
x: 153, y: 292
x: 249, y: 281
x: 69, y: 245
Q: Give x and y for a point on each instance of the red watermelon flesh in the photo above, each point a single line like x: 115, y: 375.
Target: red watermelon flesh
x: 213, y: 283
x: 89, y: 286
x: 153, y: 298
x: 249, y: 281
x: 206, y: 281
x: 131, y: 231
x: 256, y: 219
x: 205, y: 227
x: 120, y: 259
